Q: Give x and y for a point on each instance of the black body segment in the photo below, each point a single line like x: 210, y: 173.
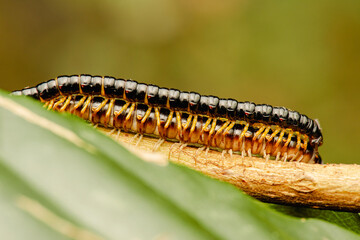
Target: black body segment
x: 293, y: 119
x: 130, y: 90
x: 119, y: 88
x: 174, y: 96
x: 152, y: 95
x: 43, y: 91
x: 245, y: 110
x: 95, y: 85
x: 183, y: 101
x: 262, y: 113
x: 63, y: 83
x: 32, y: 92
x: 213, y: 103
x: 194, y: 99
x: 279, y: 116
x: 74, y: 84
x: 109, y: 87
x: 52, y: 88
x: 85, y: 84
x: 163, y: 94
x: 140, y: 92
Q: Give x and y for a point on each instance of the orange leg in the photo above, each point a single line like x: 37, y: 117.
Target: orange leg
x: 66, y: 104
x: 261, y: 129
x: 59, y: 102
x: 132, y: 108
x: 103, y: 103
x: 168, y: 121
x: 111, y: 105
x: 146, y: 116
x: 86, y: 104
x: 192, y: 129
x: 280, y: 138
x: 291, y: 133
x: 188, y: 121
x: 82, y: 100
x: 50, y: 104
x: 242, y: 135
x: 264, y: 134
x: 274, y: 134
x: 157, y: 115
x: 126, y: 105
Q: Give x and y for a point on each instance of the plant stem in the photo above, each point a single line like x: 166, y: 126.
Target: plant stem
x: 326, y: 186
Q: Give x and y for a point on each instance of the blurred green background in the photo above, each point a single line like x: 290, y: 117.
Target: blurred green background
x: 304, y: 55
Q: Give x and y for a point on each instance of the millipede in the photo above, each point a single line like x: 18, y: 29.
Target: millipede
x: 207, y: 122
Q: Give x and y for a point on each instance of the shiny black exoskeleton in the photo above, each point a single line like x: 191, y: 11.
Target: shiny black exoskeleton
x: 175, y: 100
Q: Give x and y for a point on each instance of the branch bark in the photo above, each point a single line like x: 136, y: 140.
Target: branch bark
x: 327, y: 186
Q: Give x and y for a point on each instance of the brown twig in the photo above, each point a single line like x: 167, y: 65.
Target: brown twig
x: 327, y: 186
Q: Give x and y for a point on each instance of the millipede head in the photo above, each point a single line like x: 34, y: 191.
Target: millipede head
x: 316, y: 134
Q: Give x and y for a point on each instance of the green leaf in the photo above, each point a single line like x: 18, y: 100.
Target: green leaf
x: 62, y: 179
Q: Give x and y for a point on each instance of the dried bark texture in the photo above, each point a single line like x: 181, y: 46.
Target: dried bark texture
x: 327, y: 186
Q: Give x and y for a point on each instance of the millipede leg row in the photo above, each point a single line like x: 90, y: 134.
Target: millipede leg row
x: 187, y: 117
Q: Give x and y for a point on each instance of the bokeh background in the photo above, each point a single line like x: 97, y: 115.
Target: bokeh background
x: 304, y: 55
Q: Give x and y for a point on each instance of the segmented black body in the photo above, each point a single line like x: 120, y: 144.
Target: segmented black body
x: 174, y: 100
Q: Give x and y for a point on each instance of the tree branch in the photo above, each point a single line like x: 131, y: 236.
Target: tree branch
x: 327, y: 186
